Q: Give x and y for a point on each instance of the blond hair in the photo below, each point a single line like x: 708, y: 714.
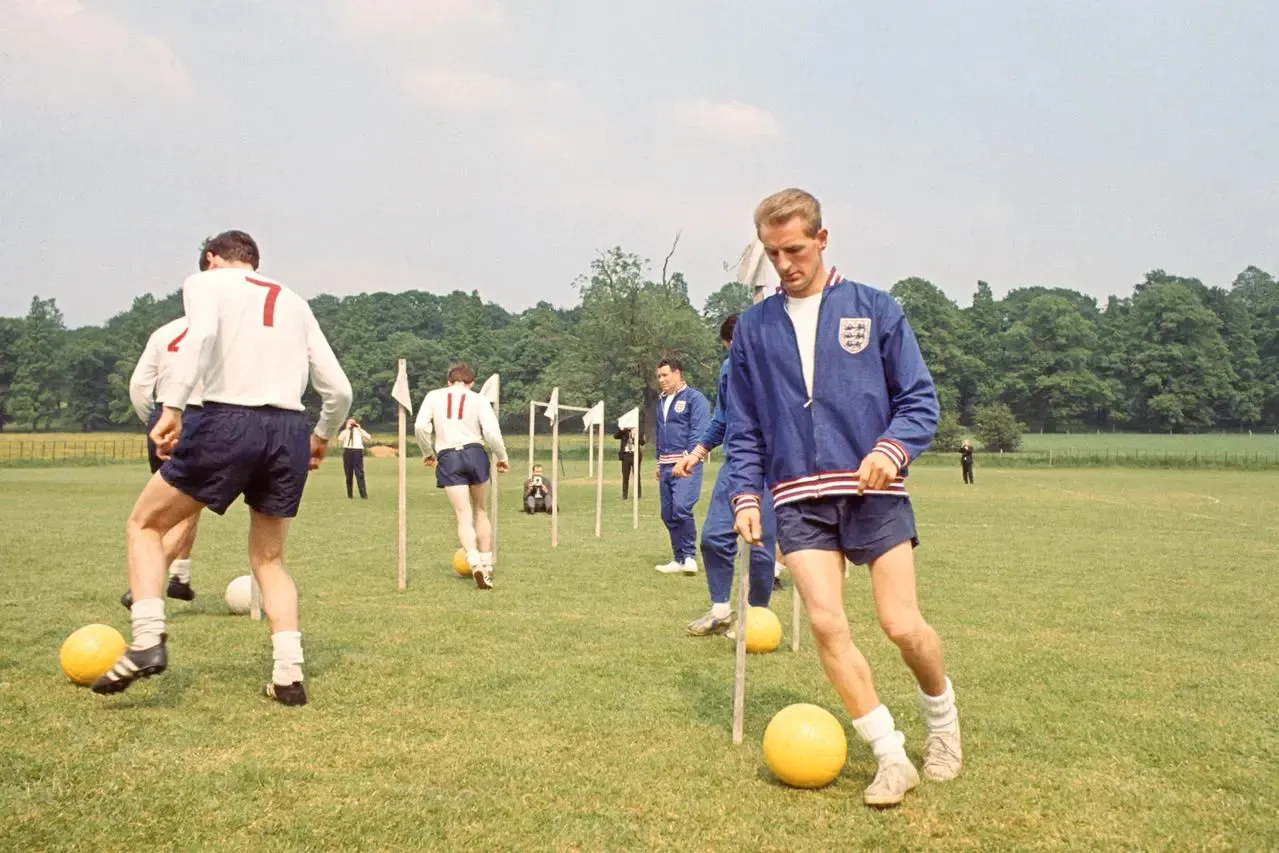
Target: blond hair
x: 781, y: 207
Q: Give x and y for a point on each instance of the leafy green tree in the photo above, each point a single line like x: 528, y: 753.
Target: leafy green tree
x: 941, y: 330
x: 731, y: 298
x: 1177, y: 364
x: 35, y: 395
x: 949, y: 433
x: 998, y: 428
x: 1258, y: 292
x: 1051, y: 376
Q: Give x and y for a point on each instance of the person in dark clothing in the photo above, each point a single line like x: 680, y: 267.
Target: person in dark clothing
x: 627, y: 444
x: 537, y: 492
x: 353, y: 438
x: 966, y: 460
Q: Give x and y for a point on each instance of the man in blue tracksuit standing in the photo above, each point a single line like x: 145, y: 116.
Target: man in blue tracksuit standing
x: 828, y: 401
x: 683, y: 414
x: 719, y: 539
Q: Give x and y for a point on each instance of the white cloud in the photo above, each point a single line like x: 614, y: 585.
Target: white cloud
x: 732, y: 118
x: 55, y: 51
x: 462, y: 91
x: 416, y: 17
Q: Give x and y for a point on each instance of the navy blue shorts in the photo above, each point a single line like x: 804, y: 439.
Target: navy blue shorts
x: 864, y: 528
x: 190, y: 417
x: 259, y: 452
x: 466, y: 466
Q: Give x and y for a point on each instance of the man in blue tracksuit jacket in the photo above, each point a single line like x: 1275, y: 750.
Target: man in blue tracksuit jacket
x: 719, y: 539
x: 683, y: 414
x: 828, y: 401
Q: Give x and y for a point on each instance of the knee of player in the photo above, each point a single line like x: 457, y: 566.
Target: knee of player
x: 828, y: 623
x: 904, y: 629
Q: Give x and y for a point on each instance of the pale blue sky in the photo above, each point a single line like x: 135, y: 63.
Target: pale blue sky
x: 483, y: 144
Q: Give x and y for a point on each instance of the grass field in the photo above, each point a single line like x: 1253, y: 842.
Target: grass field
x: 1110, y: 634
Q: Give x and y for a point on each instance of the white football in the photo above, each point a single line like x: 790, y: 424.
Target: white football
x: 238, y: 593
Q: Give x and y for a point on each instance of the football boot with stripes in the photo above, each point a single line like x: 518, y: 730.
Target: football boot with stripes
x: 132, y: 665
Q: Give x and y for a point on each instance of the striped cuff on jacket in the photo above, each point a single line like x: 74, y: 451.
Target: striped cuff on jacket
x: 893, y: 451
x: 746, y: 501
x: 699, y: 453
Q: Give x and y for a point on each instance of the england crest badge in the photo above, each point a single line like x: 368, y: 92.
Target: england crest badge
x: 854, y: 333
x: 680, y: 405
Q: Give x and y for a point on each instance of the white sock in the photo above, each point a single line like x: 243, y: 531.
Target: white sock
x: 474, y: 559
x: 720, y: 610
x: 940, y: 713
x: 886, y: 743
x: 778, y: 568
x: 286, y: 649
x: 148, y: 622
x: 486, y: 558
x: 181, y: 569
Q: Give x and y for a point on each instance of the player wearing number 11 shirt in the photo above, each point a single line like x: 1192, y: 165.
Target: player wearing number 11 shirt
x: 254, y: 344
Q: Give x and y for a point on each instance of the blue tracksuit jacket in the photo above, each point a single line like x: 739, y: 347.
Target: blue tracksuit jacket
x: 678, y: 432
x: 713, y: 436
x: 872, y: 392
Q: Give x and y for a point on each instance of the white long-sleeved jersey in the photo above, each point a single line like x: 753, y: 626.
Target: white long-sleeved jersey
x: 151, y: 375
x: 455, y: 416
x: 255, y: 342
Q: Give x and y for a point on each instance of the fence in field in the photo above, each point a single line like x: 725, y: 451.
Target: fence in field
x: 53, y: 451
x: 1111, y: 458
x: 97, y: 451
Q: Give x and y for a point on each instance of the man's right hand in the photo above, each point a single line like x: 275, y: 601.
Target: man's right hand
x: 748, y: 526
x: 684, y: 467
x: 428, y: 461
x: 319, y: 447
x: 166, y: 432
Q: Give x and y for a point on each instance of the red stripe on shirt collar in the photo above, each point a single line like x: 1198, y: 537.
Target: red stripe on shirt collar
x: 832, y: 278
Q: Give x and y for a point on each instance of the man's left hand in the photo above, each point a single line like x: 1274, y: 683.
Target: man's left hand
x: 503, y: 467
x: 428, y: 461
x: 876, y: 472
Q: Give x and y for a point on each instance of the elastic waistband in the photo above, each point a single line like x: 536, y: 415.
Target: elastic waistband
x: 460, y: 447
x: 265, y: 410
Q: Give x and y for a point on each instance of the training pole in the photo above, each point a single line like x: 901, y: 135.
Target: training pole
x: 532, y: 421
x: 796, y: 613
x: 590, y: 451
x: 495, y: 487
x: 255, y: 599
x: 599, y: 477
x: 402, y: 547
x: 635, y: 477
x: 555, y: 482
x: 739, y: 675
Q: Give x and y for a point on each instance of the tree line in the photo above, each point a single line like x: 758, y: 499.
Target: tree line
x: 1173, y: 355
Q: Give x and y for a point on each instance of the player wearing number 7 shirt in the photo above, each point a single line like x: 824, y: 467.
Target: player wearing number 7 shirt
x: 255, y: 344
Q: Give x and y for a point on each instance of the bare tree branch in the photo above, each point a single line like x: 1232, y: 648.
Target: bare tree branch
x: 670, y: 255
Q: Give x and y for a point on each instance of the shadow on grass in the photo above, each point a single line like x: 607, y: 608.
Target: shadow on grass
x: 166, y: 691
x: 711, y: 699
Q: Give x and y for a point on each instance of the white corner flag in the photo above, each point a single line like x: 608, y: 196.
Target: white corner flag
x: 630, y: 420
x: 594, y: 415
x: 752, y: 270
x: 553, y: 407
x: 491, y: 389
x: 400, y: 392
